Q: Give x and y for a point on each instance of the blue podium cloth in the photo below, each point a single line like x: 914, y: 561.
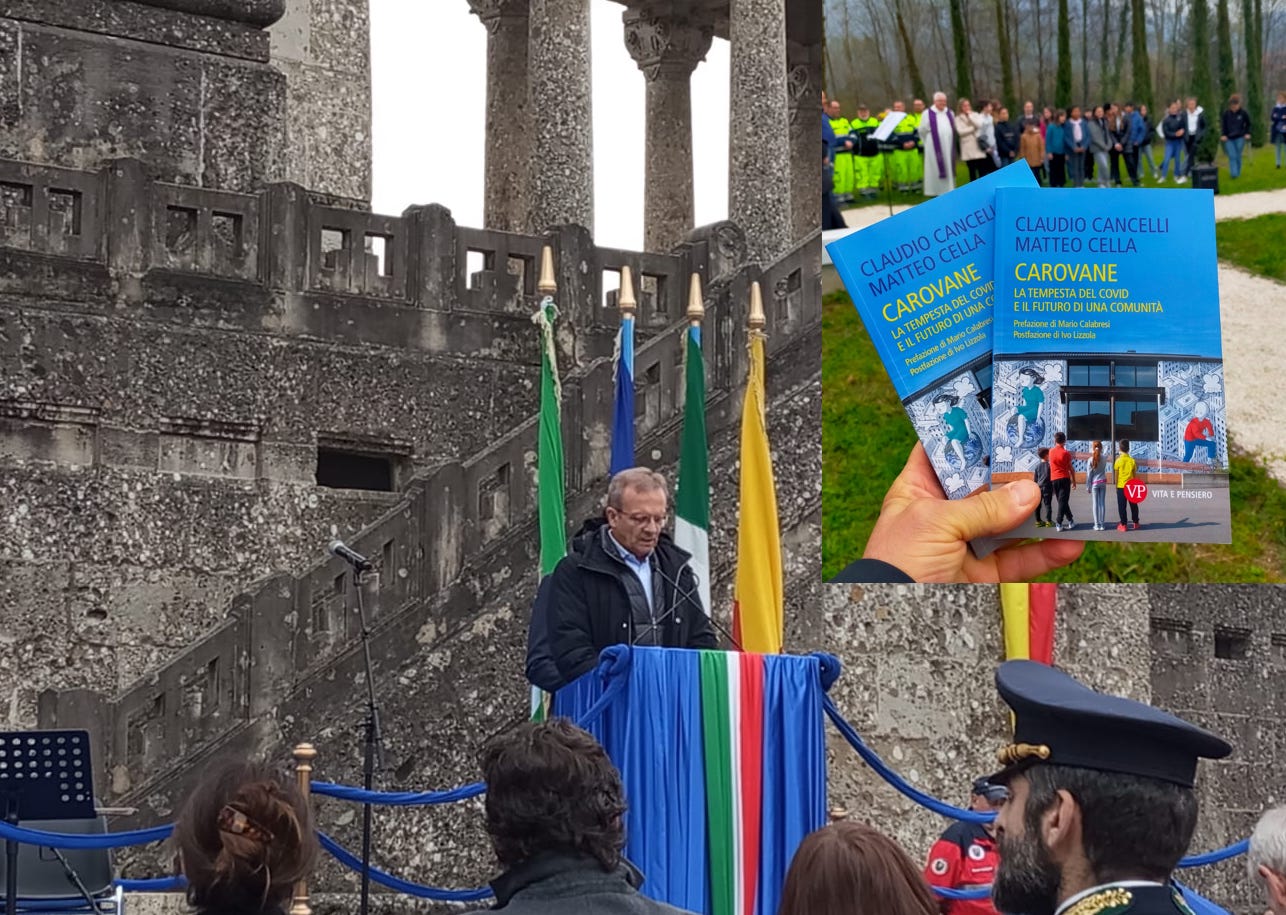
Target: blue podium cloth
x: 653, y: 731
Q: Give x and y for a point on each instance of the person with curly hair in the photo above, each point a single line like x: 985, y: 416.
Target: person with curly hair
x: 245, y: 838
x: 554, y: 812
x: 849, y: 867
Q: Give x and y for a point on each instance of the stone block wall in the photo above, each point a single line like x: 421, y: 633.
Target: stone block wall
x: 86, y: 81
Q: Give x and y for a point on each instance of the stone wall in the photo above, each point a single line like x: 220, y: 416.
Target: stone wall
x: 323, y: 48
x: 86, y: 81
x: 917, y: 685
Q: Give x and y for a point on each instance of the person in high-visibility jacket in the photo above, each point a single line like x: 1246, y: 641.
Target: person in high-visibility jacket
x: 904, y: 160
x: 917, y: 168
x: 868, y: 167
x: 842, y: 153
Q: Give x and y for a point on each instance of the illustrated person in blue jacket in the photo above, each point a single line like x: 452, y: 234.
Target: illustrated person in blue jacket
x: 955, y: 424
x: 1032, y: 397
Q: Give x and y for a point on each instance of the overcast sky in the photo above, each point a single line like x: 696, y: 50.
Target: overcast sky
x: 429, y: 69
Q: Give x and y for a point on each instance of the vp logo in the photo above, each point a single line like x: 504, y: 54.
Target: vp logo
x: 1136, y: 491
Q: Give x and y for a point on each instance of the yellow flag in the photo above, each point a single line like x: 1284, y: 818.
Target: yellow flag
x: 1015, y: 607
x: 757, y: 610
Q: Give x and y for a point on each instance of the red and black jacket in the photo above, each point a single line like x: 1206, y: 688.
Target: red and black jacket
x: 964, y: 857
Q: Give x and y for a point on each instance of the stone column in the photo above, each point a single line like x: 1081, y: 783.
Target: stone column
x: 759, y: 160
x: 507, y: 139
x: 667, y: 52
x: 803, y: 85
x: 561, y: 181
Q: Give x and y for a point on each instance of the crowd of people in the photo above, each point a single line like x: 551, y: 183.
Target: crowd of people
x: 1076, y: 146
x: 1094, y: 806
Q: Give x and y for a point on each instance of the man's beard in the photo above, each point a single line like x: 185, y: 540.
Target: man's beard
x: 1027, y: 880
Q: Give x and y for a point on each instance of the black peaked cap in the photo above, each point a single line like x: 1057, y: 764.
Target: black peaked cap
x: 1059, y: 720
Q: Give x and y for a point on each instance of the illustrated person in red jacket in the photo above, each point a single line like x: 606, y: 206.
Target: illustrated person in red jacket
x: 1199, y: 434
x: 966, y: 856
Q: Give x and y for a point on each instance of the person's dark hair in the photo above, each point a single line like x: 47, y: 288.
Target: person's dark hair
x: 850, y: 867
x: 1125, y: 445
x: 948, y: 399
x: 1060, y: 438
x: 1060, y: 113
x: 1132, y: 828
x: 551, y: 787
x: 245, y: 837
x: 1043, y: 453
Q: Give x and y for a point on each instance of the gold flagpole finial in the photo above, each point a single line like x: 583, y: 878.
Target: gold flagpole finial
x: 547, y: 285
x: 625, y: 300
x: 696, y: 308
x: 756, y: 307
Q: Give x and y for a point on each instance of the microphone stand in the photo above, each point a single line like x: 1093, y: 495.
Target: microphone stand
x: 373, y: 755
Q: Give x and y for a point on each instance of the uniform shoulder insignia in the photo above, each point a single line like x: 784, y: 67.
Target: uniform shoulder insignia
x: 1180, y: 903
x: 1113, y: 901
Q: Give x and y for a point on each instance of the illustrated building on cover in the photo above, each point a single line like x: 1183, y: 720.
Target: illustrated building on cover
x: 1097, y: 338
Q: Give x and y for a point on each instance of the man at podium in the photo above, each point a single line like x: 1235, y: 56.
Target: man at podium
x: 627, y: 582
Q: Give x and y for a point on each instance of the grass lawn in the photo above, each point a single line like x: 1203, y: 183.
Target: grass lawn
x: 866, y: 436
x: 1255, y: 244
x: 1258, y: 173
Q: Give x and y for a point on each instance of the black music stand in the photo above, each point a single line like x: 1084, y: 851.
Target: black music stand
x: 44, y: 775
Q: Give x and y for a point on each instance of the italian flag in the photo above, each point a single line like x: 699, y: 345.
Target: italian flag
x: 732, y: 717
x: 692, y: 498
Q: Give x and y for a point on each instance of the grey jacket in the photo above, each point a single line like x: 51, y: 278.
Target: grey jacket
x: 556, y: 883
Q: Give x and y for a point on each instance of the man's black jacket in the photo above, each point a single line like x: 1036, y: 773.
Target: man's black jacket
x: 590, y: 606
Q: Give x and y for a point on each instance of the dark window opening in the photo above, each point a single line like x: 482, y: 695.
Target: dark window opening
x: 1232, y: 644
x: 652, y: 293
x: 64, y: 212
x: 1088, y: 419
x: 351, y: 470
x: 211, y: 699
x: 982, y: 377
x: 180, y: 229
x: 1137, y: 420
x: 521, y: 268
x: 225, y: 231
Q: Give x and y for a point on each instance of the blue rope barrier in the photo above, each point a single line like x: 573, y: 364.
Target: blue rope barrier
x: 1214, y: 857
x: 66, y: 840
x: 615, y: 686
x: 973, y: 816
x: 974, y: 892
x: 354, y: 863
x: 915, y: 794
x: 153, y: 884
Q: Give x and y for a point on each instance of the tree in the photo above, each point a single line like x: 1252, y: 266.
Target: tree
x: 1006, y: 59
x: 913, y: 69
x: 1142, y: 73
x: 1227, y: 69
x: 960, y: 39
x: 1254, y: 71
x: 1085, y: 51
x: 1063, y: 79
x: 1200, y: 86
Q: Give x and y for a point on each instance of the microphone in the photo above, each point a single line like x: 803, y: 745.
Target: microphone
x: 687, y: 593
x: 352, y: 557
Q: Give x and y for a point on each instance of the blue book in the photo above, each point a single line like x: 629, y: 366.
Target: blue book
x: 922, y: 282
x: 1107, y: 332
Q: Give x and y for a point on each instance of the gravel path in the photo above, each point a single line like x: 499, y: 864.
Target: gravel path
x: 1253, y: 317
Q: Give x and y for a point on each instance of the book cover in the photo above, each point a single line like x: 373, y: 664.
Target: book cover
x: 1107, y: 331
x: 922, y: 283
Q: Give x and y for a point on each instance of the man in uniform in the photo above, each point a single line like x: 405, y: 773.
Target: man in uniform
x: 965, y: 856
x: 1101, y: 804
x: 841, y: 153
x: 868, y: 167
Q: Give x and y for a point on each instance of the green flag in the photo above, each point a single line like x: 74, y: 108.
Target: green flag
x: 692, y: 496
x: 550, y: 495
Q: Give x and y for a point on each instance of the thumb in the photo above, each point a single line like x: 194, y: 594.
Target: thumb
x: 992, y: 513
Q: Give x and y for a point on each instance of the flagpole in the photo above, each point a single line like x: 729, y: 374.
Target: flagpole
x: 550, y: 467
x: 692, y: 490
x: 623, y: 372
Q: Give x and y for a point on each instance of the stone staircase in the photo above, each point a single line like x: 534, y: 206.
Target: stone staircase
x: 457, y: 558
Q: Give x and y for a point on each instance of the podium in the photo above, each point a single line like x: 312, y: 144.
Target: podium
x: 723, y: 759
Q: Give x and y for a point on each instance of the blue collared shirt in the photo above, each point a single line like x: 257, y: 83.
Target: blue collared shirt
x: 642, y: 568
